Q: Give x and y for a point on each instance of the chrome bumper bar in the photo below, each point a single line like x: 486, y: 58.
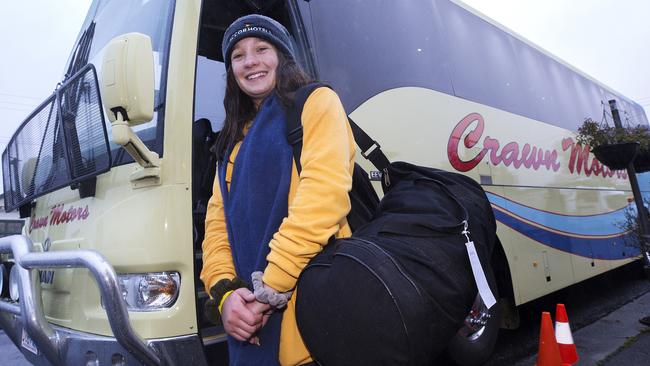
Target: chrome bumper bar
x: 30, y: 307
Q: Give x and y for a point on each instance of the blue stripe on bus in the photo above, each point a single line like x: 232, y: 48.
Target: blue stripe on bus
x: 590, y: 247
x: 608, y: 223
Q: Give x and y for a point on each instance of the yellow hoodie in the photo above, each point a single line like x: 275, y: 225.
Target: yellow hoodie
x: 318, y: 206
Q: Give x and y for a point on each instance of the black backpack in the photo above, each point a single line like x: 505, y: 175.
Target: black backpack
x: 363, y: 198
x: 397, y: 291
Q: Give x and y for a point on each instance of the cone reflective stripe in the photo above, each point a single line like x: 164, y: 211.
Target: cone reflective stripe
x: 563, y: 334
x: 568, y: 350
x: 549, y: 352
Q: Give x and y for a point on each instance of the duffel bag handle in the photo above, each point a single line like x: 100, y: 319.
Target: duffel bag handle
x: 425, y: 227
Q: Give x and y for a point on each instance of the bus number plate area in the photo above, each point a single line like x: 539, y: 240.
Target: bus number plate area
x: 28, y: 343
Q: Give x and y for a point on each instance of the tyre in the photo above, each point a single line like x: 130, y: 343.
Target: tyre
x: 474, y: 342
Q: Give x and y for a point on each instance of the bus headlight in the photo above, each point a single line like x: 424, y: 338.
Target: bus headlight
x: 14, y: 294
x: 150, y: 291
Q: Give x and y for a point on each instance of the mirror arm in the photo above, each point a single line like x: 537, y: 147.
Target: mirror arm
x: 124, y: 135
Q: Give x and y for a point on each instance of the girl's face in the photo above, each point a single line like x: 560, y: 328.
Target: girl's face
x: 254, y: 63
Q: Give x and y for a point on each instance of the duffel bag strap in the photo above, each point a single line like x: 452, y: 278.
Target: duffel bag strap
x: 370, y: 149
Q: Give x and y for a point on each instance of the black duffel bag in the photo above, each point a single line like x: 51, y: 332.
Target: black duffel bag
x: 397, y: 291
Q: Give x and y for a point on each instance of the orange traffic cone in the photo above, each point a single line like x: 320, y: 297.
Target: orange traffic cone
x: 549, y: 352
x: 568, y: 350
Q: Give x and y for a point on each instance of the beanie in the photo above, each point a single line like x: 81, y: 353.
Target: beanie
x: 256, y: 25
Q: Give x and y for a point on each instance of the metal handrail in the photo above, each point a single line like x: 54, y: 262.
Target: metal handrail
x: 9, y: 307
x: 31, y: 305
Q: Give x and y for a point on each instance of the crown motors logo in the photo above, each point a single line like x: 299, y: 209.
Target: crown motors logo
x: 59, y: 214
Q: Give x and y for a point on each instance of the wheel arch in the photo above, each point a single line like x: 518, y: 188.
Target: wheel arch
x: 503, y: 277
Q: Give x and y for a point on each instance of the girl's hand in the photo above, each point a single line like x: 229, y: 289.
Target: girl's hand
x: 259, y: 308
x: 238, y: 320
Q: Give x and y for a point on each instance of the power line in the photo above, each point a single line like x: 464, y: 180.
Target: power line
x: 16, y: 109
x: 18, y: 103
x: 20, y: 96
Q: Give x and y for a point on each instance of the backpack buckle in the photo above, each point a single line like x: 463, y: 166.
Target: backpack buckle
x: 373, y: 148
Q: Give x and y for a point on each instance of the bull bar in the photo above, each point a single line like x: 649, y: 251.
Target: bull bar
x: 30, y: 307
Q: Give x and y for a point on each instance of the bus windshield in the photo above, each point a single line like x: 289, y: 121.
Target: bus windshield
x: 43, y: 156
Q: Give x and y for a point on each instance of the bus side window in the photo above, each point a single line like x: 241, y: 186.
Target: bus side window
x: 485, y: 67
x: 366, y: 49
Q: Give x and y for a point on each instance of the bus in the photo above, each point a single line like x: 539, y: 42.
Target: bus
x: 106, y: 270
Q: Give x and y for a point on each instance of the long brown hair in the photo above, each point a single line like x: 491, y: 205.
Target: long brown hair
x: 240, y: 108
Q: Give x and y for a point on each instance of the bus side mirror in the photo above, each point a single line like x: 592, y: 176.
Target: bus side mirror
x: 127, y: 89
x: 128, y: 78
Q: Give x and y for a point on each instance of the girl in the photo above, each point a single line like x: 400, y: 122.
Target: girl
x: 262, y: 216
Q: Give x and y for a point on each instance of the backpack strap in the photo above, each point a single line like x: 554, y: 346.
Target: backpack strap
x: 370, y: 149
x: 294, y: 121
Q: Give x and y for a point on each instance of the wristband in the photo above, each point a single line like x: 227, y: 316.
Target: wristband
x: 223, y: 299
x: 220, y: 288
x: 218, y: 292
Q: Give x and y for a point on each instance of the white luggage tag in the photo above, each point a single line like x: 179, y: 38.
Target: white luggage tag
x: 479, y: 275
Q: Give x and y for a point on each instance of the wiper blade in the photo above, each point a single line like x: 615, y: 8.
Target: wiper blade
x: 81, y: 52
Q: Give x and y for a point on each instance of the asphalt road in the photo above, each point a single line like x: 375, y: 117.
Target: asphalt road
x: 10, y: 354
x: 587, y: 303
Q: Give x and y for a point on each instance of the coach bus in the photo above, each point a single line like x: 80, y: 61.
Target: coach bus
x: 107, y: 269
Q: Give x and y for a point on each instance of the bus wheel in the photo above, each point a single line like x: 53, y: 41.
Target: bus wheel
x: 474, y: 342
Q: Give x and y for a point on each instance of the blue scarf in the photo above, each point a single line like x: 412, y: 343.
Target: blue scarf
x: 254, y: 209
